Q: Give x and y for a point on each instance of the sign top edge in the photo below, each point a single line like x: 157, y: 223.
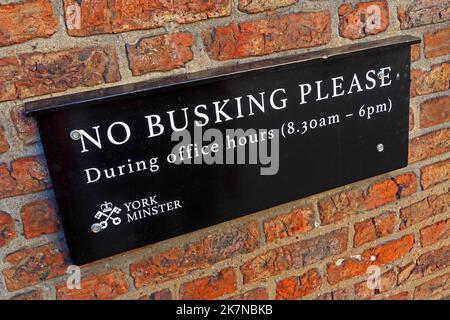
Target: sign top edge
x: 43, y: 106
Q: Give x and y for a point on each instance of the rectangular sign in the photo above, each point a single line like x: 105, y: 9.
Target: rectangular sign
x: 140, y: 163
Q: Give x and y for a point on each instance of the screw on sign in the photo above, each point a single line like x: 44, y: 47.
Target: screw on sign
x: 107, y: 213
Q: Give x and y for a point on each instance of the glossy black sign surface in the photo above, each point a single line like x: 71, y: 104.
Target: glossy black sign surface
x: 339, y: 131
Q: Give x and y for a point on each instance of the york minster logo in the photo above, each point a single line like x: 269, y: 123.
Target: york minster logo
x: 108, y: 213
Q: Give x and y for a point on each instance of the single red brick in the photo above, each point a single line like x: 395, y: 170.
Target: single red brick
x: 399, y: 296
x: 255, y: 6
x: 26, y: 20
x: 261, y: 37
x: 342, y: 204
x: 379, y: 256
x: 4, y: 145
x: 415, y: 52
x: 387, y: 282
x: 164, y: 294
x: 298, y: 286
x: 26, y: 176
x: 421, y: 210
x: 338, y: 206
x: 205, y: 252
x: 337, y: 294
x: 435, y: 173
x: 374, y: 228
x: 34, y: 294
x: 363, y: 19
x: 434, y: 111
x: 39, y: 217
x: 26, y: 127
x: 382, y: 192
x: 44, y: 73
x: 105, y: 286
x: 436, y: 43
x: 9, y: 70
x: 390, y: 190
x: 160, y: 53
x: 411, y: 120
x: 255, y: 294
x: 432, y: 287
x: 429, y: 145
x: 429, y: 81
x: 439, y: 231
x: 296, y: 255
x: 282, y: 226
x: 423, y: 12
x: 428, y: 263
x: 110, y: 16
x: 32, y: 265
x: 211, y: 287
x: 34, y: 74
x: 7, y: 232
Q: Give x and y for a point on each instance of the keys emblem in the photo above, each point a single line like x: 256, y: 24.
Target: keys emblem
x: 107, y: 214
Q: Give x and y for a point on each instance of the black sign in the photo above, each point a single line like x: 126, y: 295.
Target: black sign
x: 140, y: 163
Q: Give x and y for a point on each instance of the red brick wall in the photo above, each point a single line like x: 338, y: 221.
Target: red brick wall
x: 319, y: 247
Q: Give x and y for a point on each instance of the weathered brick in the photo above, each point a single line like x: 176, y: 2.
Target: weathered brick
x: 7, y: 231
x: 411, y: 120
x: 255, y: 6
x: 176, y: 262
x: 436, y: 43
x: 415, y: 52
x: 439, y: 231
x: 32, y: 265
x: 34, y: 74
x: 9, y: 71
x: 113, y: 16
x: 34, y: 294
x: 26, y: 128
x: 211, y: 287
x: 26, y: 20
x: 387, y: 282
x: 374, y: 228
x: 161, y: 53
x: 429, y: 145
x: 421, y: 210
x: 261, y: 37
x: 27, y: 175
x: 338, y: 206
x: 436, y: 79
x: 164, y: 294
x: 398, y: 296
x: 432, y: 287
x: 298, y: 286
x: 362, y: 19
x: 39, y: 217
x: 390, y: 190
x: 422, y: 12
x: 286, y: 225
x: 434, y: 111
x: 435, y: 173
x: 337, y: 294
x: 296, y: 255
x: 428, y: 263
x: 98, y: 287
x: 379, y: 256
x: 51, y: 72
x: 4, y: 145
x: 254, y: 294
